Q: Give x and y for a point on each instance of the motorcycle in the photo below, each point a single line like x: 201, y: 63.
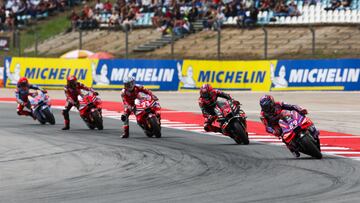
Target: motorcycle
x: 147, y: 116
x: 295, y: 132
x: 41, y: 107
x: 90, y: 110
x: 232, y: 120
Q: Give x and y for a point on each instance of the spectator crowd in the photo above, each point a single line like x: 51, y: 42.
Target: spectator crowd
x: 15, y: 12
x: 167, y: 16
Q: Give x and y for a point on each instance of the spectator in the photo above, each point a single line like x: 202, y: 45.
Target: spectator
x: 265, y: 5
x: 210, y: 18
x: 74, y: 17
x: 128, y: 21
x: 281, y: 9
x: 250, y: 18
x: 114, y: 19
x: 157, y: 18
x: 293, y: 10
x: 107, y: 6
x: 334, y: 5
x: 193, y: 13
x: 99, y: 6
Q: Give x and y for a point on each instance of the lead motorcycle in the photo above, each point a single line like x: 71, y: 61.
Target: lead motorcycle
x: 90, y: 110
x: 295, y: 132
x: 232, y: 120
x: 147, y: 116
x: 41, y: 107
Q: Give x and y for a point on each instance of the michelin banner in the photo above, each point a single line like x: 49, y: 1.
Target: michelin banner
x: 47, y: 72
x: 153, y: 74
x: 331, y: 74
x: 226, y: 75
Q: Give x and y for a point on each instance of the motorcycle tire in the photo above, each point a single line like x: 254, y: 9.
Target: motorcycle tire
x: 155, y: 127
x: 49, y: 116
x: 308, y: 146
x: 98, y: 121
x: 39, y: 118
x: 240, y: 136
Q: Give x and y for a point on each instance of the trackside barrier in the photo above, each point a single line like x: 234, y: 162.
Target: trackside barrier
x: 1, y: 76
x: 189, y: 75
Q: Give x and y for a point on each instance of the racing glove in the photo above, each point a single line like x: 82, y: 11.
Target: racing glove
x: 235, y: 102
x: 96, y: 93
x: 303, y: 112
x: 155, y: 97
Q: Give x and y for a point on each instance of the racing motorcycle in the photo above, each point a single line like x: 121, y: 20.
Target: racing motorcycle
x: 232, y: 120
x: 41, y: 107
x: 295, y: 132
x: 147, y: 116
x: 90, y: 110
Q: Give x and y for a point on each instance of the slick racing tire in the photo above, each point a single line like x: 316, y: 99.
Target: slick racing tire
x: 98, y: 121
x: 240, y: 136
x: 49, y: 116
x: 308, y: 146
x: 155, y: 127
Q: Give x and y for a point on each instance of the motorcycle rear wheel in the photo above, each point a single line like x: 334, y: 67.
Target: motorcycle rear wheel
x: 309, y: 147
x: 240, y: 136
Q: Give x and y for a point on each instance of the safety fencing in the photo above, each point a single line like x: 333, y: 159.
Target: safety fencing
x: 189, y: 75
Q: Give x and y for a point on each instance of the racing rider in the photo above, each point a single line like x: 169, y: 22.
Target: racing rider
x: 207, y: 102
x: 21, y: 93
x: 72, y: 91
x: 270, y: 115
x: 128, y: 95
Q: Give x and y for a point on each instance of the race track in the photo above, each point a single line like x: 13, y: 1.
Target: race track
x: 41, y: 163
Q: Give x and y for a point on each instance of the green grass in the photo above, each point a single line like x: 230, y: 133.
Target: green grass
x: 44, y: 30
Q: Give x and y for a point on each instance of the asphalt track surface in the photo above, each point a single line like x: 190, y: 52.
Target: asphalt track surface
x: 41, y: 163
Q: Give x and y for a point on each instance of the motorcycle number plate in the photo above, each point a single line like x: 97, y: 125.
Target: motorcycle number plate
x: 293, y: 124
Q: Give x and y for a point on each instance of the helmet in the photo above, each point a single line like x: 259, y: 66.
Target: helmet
x: 71, y: 81
x: 206, y: 91
x: 129, y: 83
x: 23, y: 82
x: 267, y: 103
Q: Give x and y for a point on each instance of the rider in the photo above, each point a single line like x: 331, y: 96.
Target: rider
x: 128, y: 95
x: 22, y: 93
x: 270, y: 115
x: 72, y: 91
x: 207, y: 102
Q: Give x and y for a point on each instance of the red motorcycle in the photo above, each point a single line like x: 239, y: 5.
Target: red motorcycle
x: 90, y: 110
x: 232, y: 120
x: 147, y: 115
x: 295, y: 132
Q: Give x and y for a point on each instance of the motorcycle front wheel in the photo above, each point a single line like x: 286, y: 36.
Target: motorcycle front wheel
x: 308, y: 146
x: 155, y: 127
x: 239, y: 134
x: 49, y: 116
x: 98, y: 121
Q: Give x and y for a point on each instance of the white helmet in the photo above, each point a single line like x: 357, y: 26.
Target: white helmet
x: 129, y: 83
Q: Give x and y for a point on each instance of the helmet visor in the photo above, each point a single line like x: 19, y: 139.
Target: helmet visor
x: 129, y: 85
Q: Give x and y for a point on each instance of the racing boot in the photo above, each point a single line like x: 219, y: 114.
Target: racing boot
x: 67, y: 125
x: 126, y: 131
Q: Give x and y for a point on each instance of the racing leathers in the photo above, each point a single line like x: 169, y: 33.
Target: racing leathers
x: 128, y: 98
x: 72, y: 100
x: 207, y: 106
x: 21, y: 95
